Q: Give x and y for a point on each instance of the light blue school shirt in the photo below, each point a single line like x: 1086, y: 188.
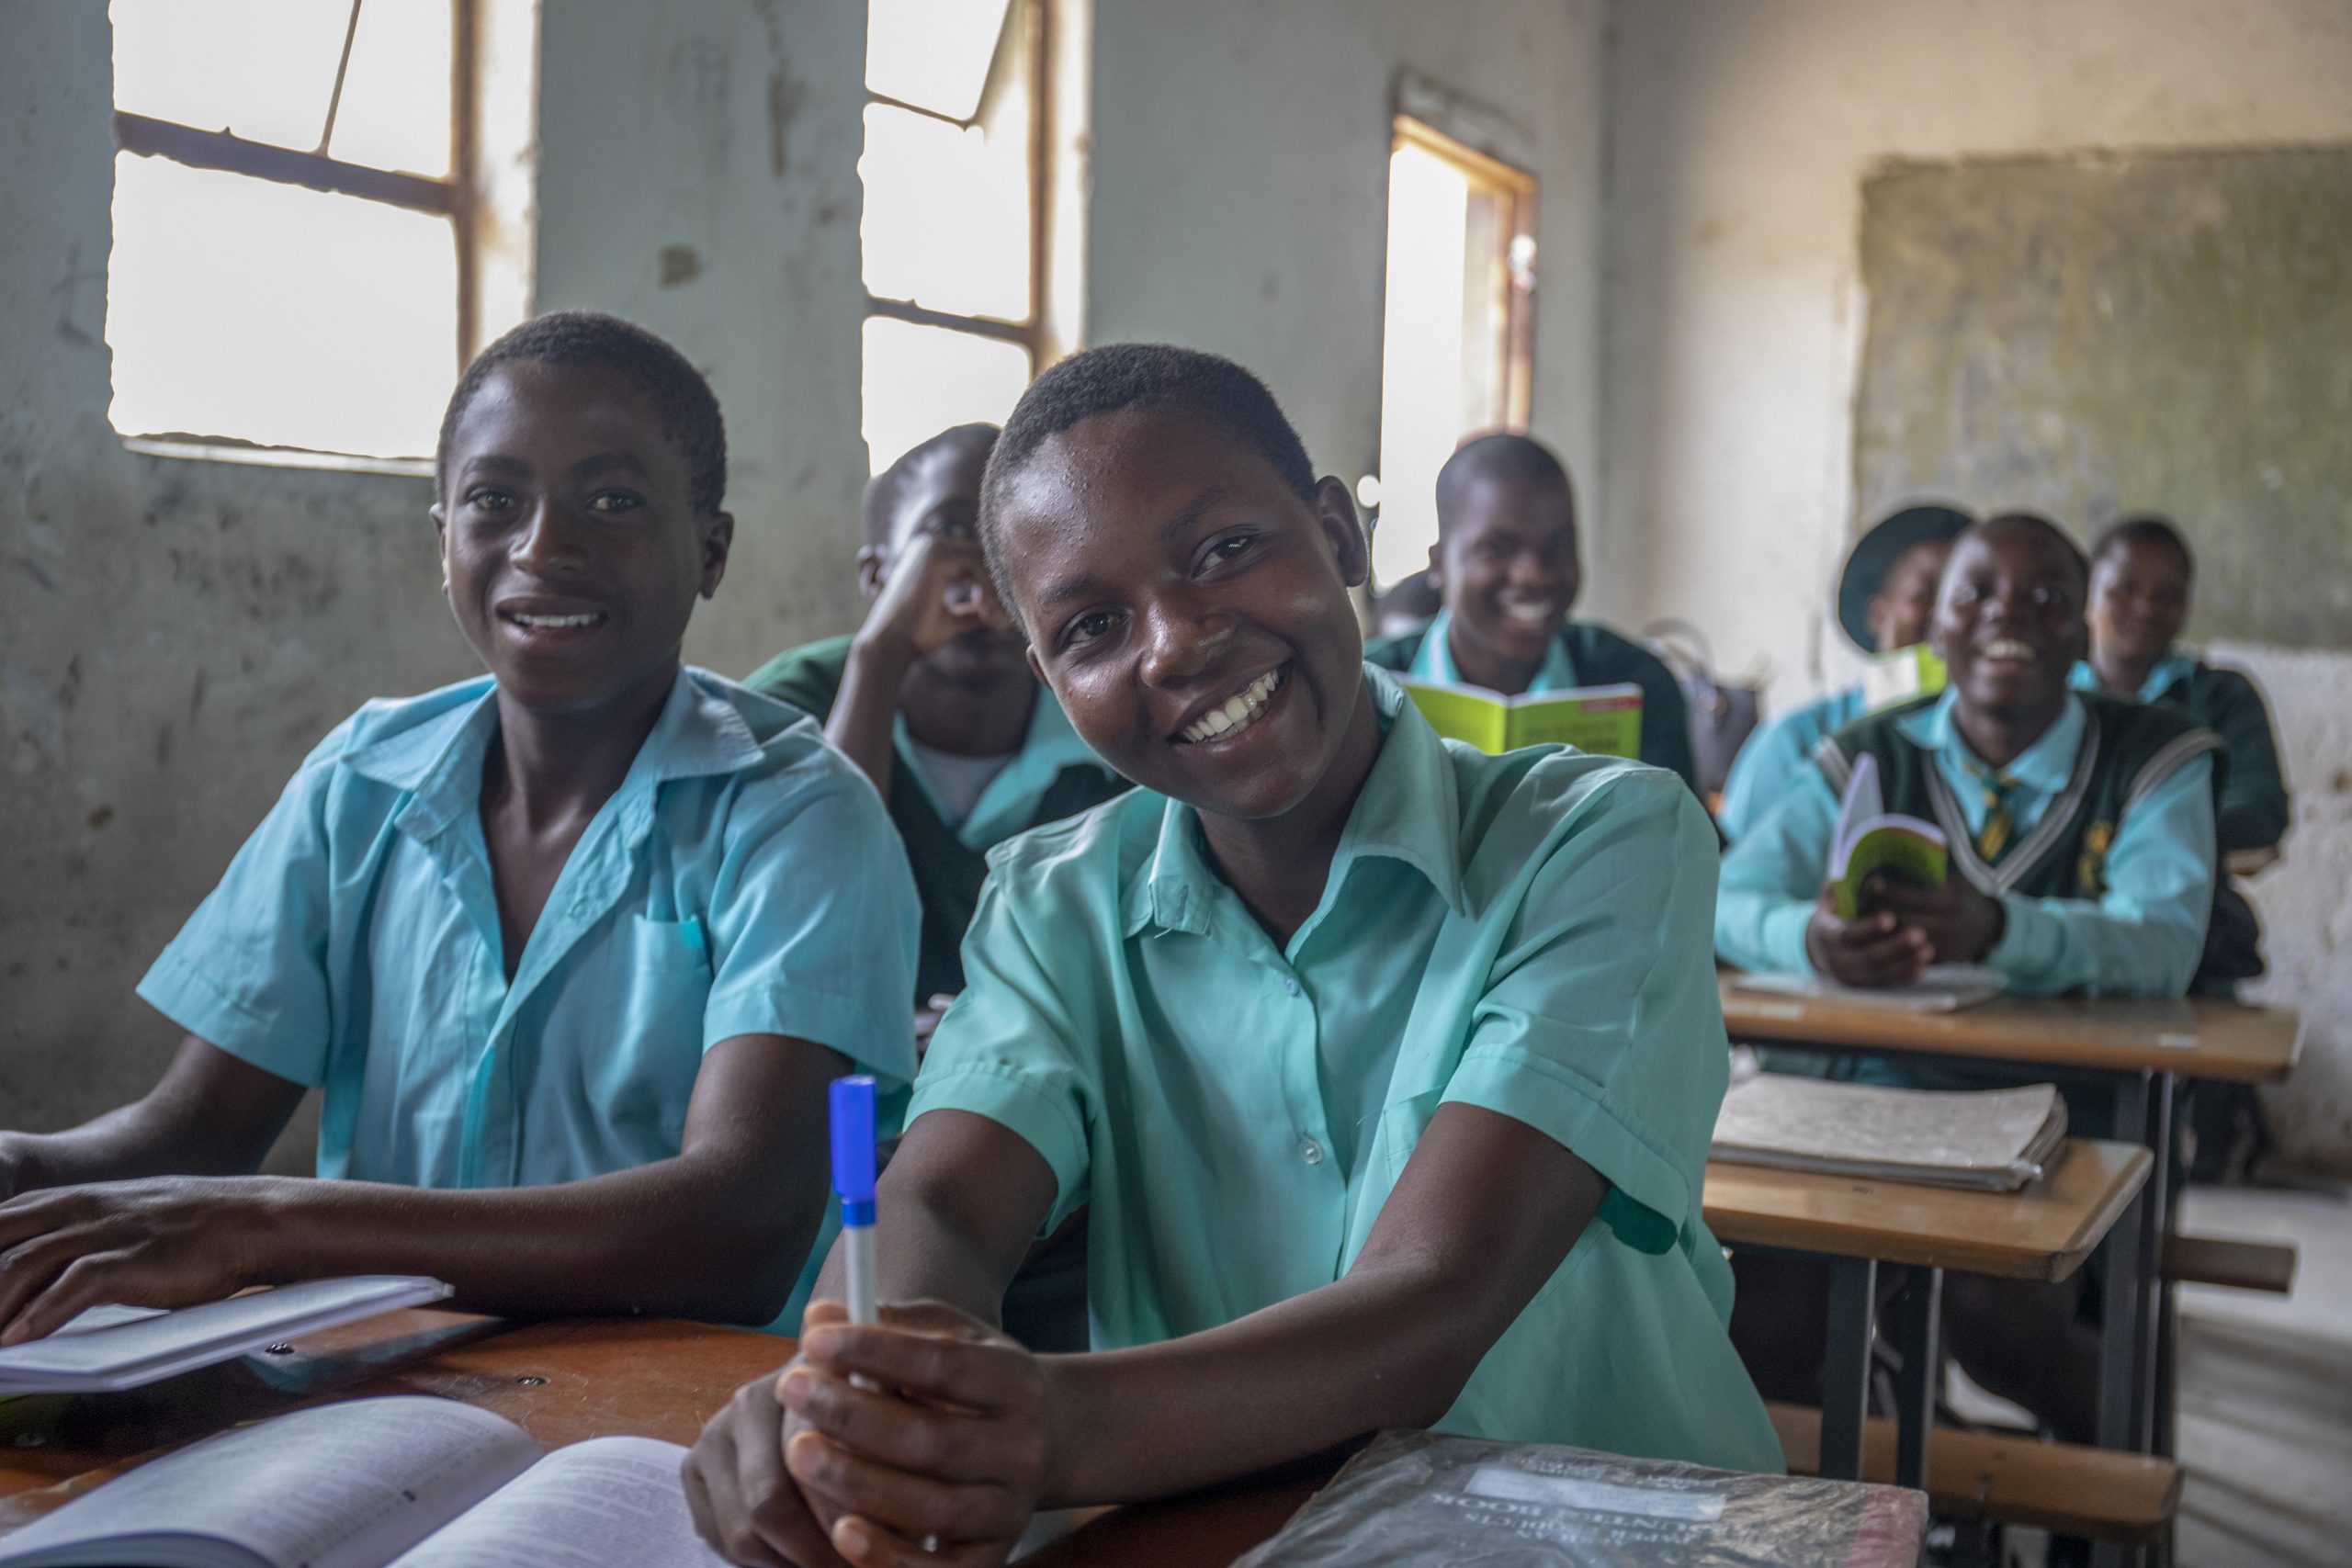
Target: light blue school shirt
x: 2142, y: 938
x: 1009, y: 802
x: 2173, y: 666
x: 1434, y: 661
x: 1778, y: 754
x: 1526, y: 934
x: 743, y: 879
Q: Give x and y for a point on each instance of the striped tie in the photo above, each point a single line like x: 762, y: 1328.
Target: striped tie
x: 1993, y: 835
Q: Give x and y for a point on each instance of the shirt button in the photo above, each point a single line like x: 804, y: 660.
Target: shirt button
x: 1290, y: 984
x: 1310, y: 1151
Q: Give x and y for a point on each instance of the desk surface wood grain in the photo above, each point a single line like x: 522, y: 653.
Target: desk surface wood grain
x: 2198, y: 1039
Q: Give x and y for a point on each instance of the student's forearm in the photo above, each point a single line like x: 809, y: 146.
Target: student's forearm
x: 2050, y: 945
x: 211, y: 1114
x: 1369, y: 1352
x: 677, y: 1238
x: 863, y: 723
x: 924, y: 1253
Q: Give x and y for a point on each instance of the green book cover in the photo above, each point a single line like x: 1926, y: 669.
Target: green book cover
x: 1871, y: 841
x: 1604, y: 720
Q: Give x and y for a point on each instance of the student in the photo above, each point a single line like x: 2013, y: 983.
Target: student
x: 1505, y: 566
x: 2141, y: 576
x: 932, y: 697
x: 572, y: 950
x: 1388, y: 1067
x: 2081, y: 830
x: 1884, y: 597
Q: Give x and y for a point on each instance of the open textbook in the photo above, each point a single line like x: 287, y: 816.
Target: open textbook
x: 1418, y: 1497
x: 1606, y: 720
x: 400, y: 1482
x: 111, y: 1348
x: 1870, y: 840
x: 1995, y: 1140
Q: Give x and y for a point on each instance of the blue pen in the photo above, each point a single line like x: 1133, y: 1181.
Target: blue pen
x: 852, y: 1111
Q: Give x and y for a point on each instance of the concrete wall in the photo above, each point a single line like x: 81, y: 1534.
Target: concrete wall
x: 174, y: 635
x: 1739, y: 138
x: 1240, y: 156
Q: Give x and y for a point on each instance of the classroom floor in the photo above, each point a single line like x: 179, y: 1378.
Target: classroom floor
x: 2266, y: 1392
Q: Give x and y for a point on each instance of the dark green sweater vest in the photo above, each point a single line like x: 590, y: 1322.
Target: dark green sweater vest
x: 2128, y: 749
x: 947, y: 874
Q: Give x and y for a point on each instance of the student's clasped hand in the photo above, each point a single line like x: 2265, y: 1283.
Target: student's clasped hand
x: 1960, y: 924
x: 164, y: 1241
x: 936, y: 591
x: 950, y: 1445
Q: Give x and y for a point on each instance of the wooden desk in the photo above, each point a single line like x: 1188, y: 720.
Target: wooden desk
x: 2138, y: 1049
x: 560, y: 1382
x: 2042, y: 1233
x: 2197, y: 1039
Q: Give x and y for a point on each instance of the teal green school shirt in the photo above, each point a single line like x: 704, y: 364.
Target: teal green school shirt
x: 2253, y: 812
x: 1585, y: 653
x: 2142, y: 938
x: 1052, y: 776
x: 1779, y: 754
x: 743, y: 880
x: 1526, y: 934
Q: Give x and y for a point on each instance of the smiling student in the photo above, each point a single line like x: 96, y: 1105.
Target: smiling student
x: 1506, y: 572
x: 932, y: 697
x: 1387, y: 1067
x: 1885, y: 596
x: 2081, y: 826
x: 572, y: 950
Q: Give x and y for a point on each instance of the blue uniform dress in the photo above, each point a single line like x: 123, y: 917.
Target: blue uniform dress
x: 1526, y: 934
x: 743, y: 879
x: 1780, y: 753
x: 2142, y: 938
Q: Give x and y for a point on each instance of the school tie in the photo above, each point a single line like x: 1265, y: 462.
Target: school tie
x: 1993, y: 834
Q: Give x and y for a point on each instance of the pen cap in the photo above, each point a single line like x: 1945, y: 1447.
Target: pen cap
x: 852, y: 1109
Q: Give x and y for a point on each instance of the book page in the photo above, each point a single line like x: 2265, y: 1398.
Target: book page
x: 346, y: 1485
x: 605, y: 1501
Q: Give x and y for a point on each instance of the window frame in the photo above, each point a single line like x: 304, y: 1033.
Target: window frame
x: 454, y: 198
x: 1029, y: 30
x: 1513, y: 296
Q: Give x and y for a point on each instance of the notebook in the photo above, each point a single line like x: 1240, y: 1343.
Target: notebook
x: 1420, y: 1498
x: 1995, y: 1140
x: 399, y: 1482
x: 1605, y: 720
x: 111, y: 1348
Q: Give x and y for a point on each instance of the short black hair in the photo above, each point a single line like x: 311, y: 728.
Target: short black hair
x: 883, y: 490
x: 2146, y: 530
x: 1141, y: 374
x: 2037, y: 523
x: 1498, y: 455
x: 688, y: 407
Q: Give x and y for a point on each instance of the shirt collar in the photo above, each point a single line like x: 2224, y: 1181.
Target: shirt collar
x: 699, y: 732
x: 2177, y: 665
x: 1408, y: 811
x: 2043, y: 767
x: 1433, y: 661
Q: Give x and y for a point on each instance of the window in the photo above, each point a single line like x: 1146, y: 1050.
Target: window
x: 1457, y: 342
x: 294, y: 196
x: 954, y: 237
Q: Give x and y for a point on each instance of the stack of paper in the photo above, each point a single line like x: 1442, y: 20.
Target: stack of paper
x: 112, y: 1347
x: 1995, y: 1140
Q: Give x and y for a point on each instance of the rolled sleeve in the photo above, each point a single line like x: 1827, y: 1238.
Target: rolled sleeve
x: 248, y: 973
x: 1005, y: 1051
x: 2145, y: 935
x: 1772, y: 878
x: 814, y: 927
x: 1601, y: 1027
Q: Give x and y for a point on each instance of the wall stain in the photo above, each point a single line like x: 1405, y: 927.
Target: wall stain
x: 680, y: 263
x: 34, y: 571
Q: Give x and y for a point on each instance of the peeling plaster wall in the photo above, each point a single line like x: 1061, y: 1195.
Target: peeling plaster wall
x: 176, y: 634
x: 1240, y: 160
x: 1740, y: 135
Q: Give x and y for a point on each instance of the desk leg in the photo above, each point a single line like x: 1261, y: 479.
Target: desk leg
x: 2123, y: 1387
x: 2158, y: 1227
x: 1923, y: 1294
x: 1845, y: 1367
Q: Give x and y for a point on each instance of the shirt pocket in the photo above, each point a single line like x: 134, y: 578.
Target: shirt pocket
x: 641, y: 1035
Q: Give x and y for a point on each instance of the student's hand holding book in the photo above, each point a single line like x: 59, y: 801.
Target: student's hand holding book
x: 1875, y: 948
x: 1960, y: 923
